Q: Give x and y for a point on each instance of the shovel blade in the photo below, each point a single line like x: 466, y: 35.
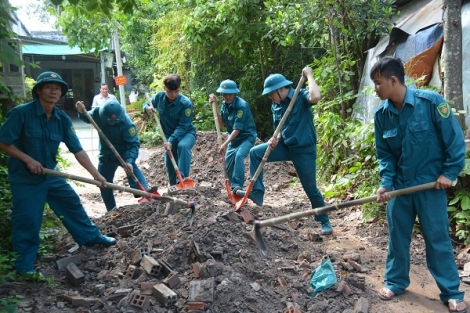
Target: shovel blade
x: 188, y: 183
x: 242, y: 202
x: 143, y: 200
x: 234, y: 198
x: 185, y: 184
x: 153, y: 190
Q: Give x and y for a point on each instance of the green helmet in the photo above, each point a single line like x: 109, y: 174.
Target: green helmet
x: 49, y: 77
x: 228, y: 86
x: 111, y: 112
x: 274, y: 82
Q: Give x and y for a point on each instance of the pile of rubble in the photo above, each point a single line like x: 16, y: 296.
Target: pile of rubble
x: 166, y: 262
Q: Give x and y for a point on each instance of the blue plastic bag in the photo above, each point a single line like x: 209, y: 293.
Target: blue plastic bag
x: 323, y: 277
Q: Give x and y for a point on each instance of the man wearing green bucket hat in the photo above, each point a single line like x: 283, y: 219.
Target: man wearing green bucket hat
x: 31, y: 136
x: 296, y: 141
x: 235, y: 115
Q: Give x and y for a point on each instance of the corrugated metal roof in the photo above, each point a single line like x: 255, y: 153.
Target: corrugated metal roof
x: 416, y: 16
x: 427, y: 15
x: 52, y: 50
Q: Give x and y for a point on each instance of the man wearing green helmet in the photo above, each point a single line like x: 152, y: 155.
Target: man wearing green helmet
x: 235, y: 115
x: 119, y: 129
x: 31, y: 136
x: 296, y: 141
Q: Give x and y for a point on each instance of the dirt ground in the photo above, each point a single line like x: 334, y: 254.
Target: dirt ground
x: 235, y: 276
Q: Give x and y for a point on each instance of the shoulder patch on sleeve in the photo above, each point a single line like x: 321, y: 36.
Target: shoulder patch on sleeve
x: 187, y: 112
x: 239, y: 113
x: 132, y: 131
x: 444, y: 110
x: 73, y: 129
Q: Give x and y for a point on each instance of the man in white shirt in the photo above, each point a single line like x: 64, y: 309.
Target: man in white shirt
x: 102, y: 97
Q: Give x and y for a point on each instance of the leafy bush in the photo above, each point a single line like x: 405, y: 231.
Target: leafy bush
x: 346, y: 160
x: 9, y: 304
x: 203, y: 115
x: 151, y: 138
x: 51, y: 224
x: 459, y: 204
x: 136, y: 106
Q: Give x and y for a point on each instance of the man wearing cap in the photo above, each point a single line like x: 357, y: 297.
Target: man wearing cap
x: 119, y: 129
x: 31, y: 136
x: 102, y: 97
x: 176, y: 116
x: 235, y: 114
x: 296, y: 141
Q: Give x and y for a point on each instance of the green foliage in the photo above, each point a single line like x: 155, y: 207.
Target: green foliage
x: 76, y: 22
x: 9, y: 304
x: 346, y: 160
x: 105, y: 7
x: 51, y: 224
x: 459, y: 209
x: 5, y: 205
x: 28, y: 85
x: 151, y: 138
x: 459, y: 204
x: 203, y: 115
x: 6, y: 265
x: 136, y: 106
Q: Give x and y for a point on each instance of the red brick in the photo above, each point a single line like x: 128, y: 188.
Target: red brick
x: 282, y: 281
x: 196, y: 306
x: 247, y: 217
x: 196, y: 268
x: 172, y: 280
x: 147, y: 285
x: 356, y: 265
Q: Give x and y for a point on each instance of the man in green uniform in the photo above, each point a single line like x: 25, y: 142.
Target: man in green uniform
x: 176, y: 116
x: 122, y: 133
x: 296, y: 141
x: 235, y: 115
x: 418, y: 140
x: 31, y: 136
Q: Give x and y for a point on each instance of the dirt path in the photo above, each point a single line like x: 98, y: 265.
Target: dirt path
x: 242, y: 262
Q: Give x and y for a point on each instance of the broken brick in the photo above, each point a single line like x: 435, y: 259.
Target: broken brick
x: 196, y: 306
x: 172, y: 280
x: 147, y: 285
x: 196, y: 268
x: 247, y: 217
x: 282, y: 281
x: 130, y: 271
x: 74, y: 274
x: 355, y: 265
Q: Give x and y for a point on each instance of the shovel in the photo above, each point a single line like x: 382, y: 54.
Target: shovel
x: 183, y: 183
x: 232, y: 197
x: 242, y: 202
x: 123, y: 163
x: 138, y: 192
x: 323, y: 210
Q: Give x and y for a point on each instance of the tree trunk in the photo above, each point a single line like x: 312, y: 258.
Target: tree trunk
x: 453, y: 57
